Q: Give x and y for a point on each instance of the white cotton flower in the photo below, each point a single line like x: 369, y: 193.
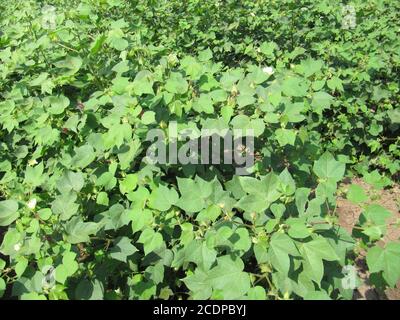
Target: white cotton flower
x: 268, y: 70
x: 32, y: 203
x: 17, y: 247
x: 32, y: 162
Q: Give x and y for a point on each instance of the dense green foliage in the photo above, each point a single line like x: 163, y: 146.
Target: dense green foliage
x: 78, y: 97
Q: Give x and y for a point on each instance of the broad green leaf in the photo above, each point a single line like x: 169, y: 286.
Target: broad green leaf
x: 176, y: 83
x: 70, y: 181
x: 122, y: 249
x: 84, y: 156
x: 356, y: 194
x: 128, y: 184
x: 285, y: 136
x: 8, y: 212
x: 326, y: 167
x: 151, y: 240
x: 58, y: 104
x: 281, y: 246
x: 78, y: 231
x: 313, y: 253
x: 321, y: 100
x: 387, y: 260
x: 162, y: 198
x: 294, y: 87
x: 89, y: 290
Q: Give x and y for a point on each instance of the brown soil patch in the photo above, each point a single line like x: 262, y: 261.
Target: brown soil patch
x: 348, y: 216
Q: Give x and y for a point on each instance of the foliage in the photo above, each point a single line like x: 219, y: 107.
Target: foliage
x: 77, y: 100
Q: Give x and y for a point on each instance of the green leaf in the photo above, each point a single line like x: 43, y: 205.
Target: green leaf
x: 204, y: 104
x: 326, y: 167
x: 128, y: 184
x: 162, y: 198
x: 309, y: 67
x: 68, y: 267
x: 356, y: 194
x: 374, y: 221
x: 321, y: 100
x: 298, y: 228
x: 116, y: 217
x: 210, y: 213
x: 34, y: 175
x: 262, y: 193
x: 140, y: 219
x: 268, y: 48
x: 65, y: 205
x: 253, y: 203
x: 198, y: 284
x: 193, y: 194
x: 151, y: 240
x: 143, y: 83
x: 313, y: 253
x: 148, y: 117
x: 122, y: 249
x: 8, y: 212
x: 199, y: 253
x: 70, y: 181
x: 386, y: 260
x: 78, y: 231
x: 89, y: 290
x: 243, y: 126
x: 84, y: 156
x: 288, y: 186
x: 257, y: 293
x: 281, y: 246
x: 58, y: 104
x: 244, y: 100
x: 228, y: 276
x: 294, y: 87
x: 115, y: 39
x: 192, y: 68
x: 301, y: 197
x: 73, y: 63
x: 21, y: 265
x: 176, y: 83
x: 2, y: 287
x: 317, y: 295
x: 285, y: 136
x: 205, y: 55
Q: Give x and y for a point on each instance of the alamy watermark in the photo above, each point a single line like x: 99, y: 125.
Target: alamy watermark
x: 49, y: 277
x: 49, y: 17
x: 349, y: 281
x: 349, y: 17
x: 206, y: 146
